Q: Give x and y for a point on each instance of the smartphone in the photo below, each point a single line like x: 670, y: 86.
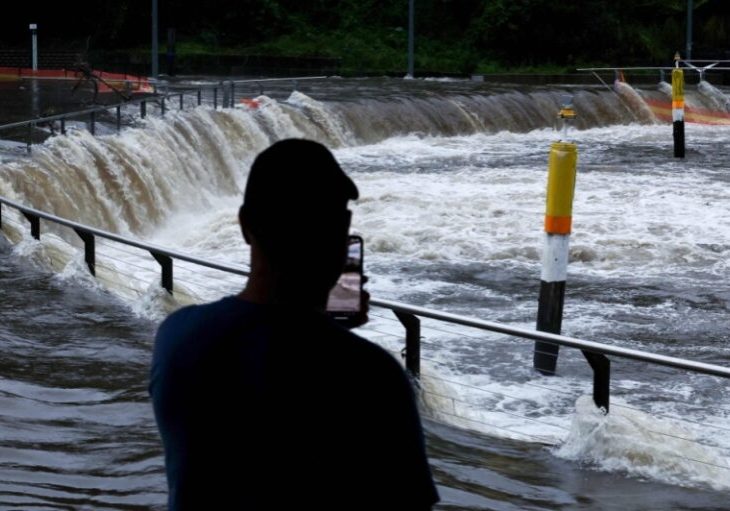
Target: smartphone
x: 345, y: 299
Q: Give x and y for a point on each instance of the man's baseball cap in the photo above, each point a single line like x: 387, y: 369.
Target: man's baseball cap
x: 292, y: 181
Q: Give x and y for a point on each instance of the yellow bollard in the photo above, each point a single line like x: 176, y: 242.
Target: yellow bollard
x: 560, y: 188
x: 678, y: 108
x: 562, y: 164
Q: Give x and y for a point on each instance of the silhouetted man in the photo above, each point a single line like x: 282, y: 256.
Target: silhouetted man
x: 262, y: 401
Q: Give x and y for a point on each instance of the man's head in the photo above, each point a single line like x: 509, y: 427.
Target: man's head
x: 295, y: 209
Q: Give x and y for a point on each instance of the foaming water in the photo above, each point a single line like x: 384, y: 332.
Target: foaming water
x: 718, y: 98
x: 76, y: 428
x: 451, y: 209
x: 634, y: 102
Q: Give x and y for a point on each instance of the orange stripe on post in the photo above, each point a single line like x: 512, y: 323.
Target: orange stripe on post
x: 558, y: 224
x: 678, y: 103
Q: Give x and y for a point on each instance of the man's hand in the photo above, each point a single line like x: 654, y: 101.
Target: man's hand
x: 361, y: 318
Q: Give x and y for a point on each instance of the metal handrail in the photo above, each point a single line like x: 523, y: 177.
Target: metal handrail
x: 78, y: 113
x: 173, y: 86
x: 163, y: 92
x: 595, y: 352
x: 571, y: 342
x: 121, y: 239
x: 148, y: 97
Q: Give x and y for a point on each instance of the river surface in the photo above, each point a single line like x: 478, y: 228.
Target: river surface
x: 452, y: 177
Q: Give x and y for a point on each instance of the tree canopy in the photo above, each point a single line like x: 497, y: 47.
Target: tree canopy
x: 473, y: 32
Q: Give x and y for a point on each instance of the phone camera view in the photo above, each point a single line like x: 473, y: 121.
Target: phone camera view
x: 345, y: 297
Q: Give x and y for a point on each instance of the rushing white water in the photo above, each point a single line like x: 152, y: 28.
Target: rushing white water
x: 451, y: 221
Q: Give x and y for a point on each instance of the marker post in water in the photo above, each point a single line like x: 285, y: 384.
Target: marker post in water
x: 558, y: 221
x: 678, y: 108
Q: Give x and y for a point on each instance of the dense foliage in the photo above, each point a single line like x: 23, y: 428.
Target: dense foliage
x: 452, y: 35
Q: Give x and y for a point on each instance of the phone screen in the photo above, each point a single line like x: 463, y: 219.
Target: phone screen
x: 345, y: 299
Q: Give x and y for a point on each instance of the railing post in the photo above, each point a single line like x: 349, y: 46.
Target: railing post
x: 226, y: 94
x: 233, y: 94
x: 89, y: 249
x: 163, y: 105
x: 413, y: 341
x: 93, y: 122
x: 200, y: 97
x: 181, y: 101
x: 35, y: 224
x: 63, y: 125
x: 119, y: 118
x: 30, y: 137
x: 215, y: 98
x: 601, y: 366
x: 143, y: 109
x: 166, y: 265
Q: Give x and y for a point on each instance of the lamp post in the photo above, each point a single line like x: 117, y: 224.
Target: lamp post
x: 688, y: 51
x: 155, y: 49
x: 411, y: 23
x: 34, y: 36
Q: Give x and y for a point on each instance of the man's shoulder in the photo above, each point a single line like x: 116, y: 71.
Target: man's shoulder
x: 194, y: 316
x: 192, y: 324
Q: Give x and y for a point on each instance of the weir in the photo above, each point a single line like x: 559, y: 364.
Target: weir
x: 204, y: 143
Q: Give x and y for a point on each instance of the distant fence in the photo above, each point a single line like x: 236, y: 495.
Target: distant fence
x: 46, y: 59
x: 224, y: 93
x: 208, y: 63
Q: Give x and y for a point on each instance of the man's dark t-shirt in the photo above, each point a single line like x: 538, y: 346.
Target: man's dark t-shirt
x: 261, y: 407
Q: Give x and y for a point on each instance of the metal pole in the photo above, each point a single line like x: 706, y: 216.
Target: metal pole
x: 601, y: 366
x: 690, y: 9
x: 34, y: 37
x: 35, y: 224
x: 413, y: 341
x: 155, y: 49
x: 226, y: 95
x: 411, y: 24
x: 678, y: 108
x: 558, y: 224
x: 89, y: 249
x: 165, y: 262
